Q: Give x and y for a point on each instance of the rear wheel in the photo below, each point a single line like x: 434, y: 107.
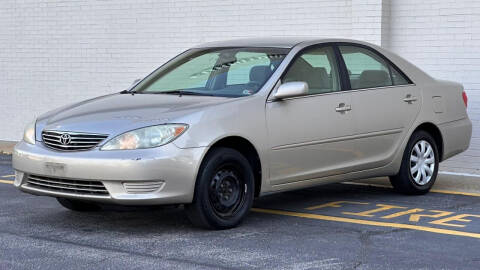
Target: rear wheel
x: 224, y: 190
x: 419, y: 168
x: 77, y: 205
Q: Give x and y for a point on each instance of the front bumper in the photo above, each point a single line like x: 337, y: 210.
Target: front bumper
x: 173, y: 168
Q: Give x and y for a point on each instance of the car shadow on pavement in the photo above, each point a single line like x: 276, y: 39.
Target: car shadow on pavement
x: 149, y: 219
x: 146, y: 220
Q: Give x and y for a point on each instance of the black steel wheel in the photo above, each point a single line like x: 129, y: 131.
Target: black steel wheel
x: 227, y: 191
x: 224, y: 190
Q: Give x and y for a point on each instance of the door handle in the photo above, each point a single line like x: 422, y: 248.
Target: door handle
x: 342, y: 107
x: 409, y: 99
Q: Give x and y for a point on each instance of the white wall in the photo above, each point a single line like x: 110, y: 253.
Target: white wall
x: 442, y: 37
x: 55, y: 52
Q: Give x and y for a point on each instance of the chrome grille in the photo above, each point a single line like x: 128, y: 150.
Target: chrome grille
x: 71, y: 141
x: 83, y: 187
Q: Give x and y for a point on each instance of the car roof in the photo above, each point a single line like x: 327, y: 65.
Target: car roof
x: 275, y: 42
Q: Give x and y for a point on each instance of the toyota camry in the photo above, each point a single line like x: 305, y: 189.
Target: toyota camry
x: 225, y: 122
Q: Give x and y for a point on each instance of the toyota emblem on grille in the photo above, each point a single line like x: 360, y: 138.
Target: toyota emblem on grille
x: 65, y: 139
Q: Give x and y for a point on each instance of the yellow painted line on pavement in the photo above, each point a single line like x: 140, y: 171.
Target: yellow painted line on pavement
x: 351, y: 220
x: 10, y: 175
x: 453, y: 192
x: 6, y: 181
x: 366, y: 222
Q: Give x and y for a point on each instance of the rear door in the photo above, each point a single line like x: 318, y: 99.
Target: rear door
x: 384, y: 104
x: 309, y: 135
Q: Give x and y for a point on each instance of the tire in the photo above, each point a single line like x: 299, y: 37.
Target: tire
x: 421, y: 153
x: 224, y: 190
x: 79, y: 206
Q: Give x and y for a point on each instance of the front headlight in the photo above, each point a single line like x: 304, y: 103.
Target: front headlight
x: 148, y: 137
x: 29, y: 133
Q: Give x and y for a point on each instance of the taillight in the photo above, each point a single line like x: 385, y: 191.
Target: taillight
x: 465, y: 98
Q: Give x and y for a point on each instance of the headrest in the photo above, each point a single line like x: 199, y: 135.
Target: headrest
x: 373, y: 78
x: 321, y: 71
x: 318, y: 79
x: 260, y: 73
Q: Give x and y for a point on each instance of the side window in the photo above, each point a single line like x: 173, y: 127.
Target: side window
x: 366, y: 69
x: 318, y: 68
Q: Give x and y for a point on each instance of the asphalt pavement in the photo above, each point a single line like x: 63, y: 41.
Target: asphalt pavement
x: 339, y: 226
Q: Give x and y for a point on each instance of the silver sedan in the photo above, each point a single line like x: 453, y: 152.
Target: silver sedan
x: 225, y: 122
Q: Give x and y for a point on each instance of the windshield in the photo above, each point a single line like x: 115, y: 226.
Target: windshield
x: 228, y: 72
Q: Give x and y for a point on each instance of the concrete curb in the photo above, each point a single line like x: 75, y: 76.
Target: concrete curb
x: 6, y: 147
x: 5, y: 159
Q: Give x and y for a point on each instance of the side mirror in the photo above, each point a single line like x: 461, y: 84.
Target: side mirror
x: 291, y: 89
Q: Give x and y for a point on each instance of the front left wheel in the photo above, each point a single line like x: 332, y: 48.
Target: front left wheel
x: 224, y: 190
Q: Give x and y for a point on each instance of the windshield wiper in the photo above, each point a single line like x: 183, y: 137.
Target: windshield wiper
x: 133, y: 92
x: 184, y: 92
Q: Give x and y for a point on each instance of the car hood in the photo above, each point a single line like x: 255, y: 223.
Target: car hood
x: 118, y: 113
